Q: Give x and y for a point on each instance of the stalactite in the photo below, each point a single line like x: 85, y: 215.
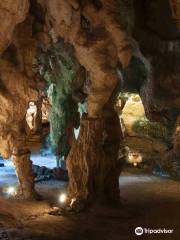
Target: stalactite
x: 61, y: 71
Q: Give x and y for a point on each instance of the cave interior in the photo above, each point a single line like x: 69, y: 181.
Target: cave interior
x: 89, y: 119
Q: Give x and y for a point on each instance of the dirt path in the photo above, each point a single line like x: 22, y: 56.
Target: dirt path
x: 147, y: 201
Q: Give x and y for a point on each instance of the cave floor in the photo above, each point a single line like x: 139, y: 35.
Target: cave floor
x: 147, y: 201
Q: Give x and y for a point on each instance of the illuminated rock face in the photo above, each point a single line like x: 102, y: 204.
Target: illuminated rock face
x: 145, y: 140
x: 31, y: 115
x: 93, y: 32
x: 12, y: 121
x: 17, y: 88
x: 13, y: 109
x: 13, y: 104
x: 99, y: 41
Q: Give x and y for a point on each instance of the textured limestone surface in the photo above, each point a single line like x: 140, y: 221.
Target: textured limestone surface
x: 101, y: 34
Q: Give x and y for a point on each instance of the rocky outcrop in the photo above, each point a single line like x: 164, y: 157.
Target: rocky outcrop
x: 44, y: 174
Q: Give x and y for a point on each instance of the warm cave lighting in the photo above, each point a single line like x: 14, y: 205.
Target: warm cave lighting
x: 62, y: 198
x: 134, y: 158
x: 11, y: 191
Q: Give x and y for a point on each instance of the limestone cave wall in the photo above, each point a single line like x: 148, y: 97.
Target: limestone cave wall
x: 107, y: 37
x: 160, y: 89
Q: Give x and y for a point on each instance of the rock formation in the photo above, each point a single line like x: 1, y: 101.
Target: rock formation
x: 100, y: 34
x: 11, y: 13
x: 17, y: 89
x: 65, y: 79
x: 100, y: 41
x: 159, y: 89
x: 13, y: 110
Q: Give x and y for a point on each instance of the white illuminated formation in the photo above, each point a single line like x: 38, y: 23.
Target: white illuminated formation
x: 62, y: 198
x: 11, y: 191
x: 134, y: 158
x: 72, y: 201
x: 31, y: 115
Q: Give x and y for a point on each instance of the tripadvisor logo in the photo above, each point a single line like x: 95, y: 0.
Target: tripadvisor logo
x: 139, y: 231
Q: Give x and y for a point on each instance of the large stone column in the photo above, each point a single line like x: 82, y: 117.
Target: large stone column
x: 23, y: 165
x: 86, y: 161
x: 100, y: 42
x: 93, y: 163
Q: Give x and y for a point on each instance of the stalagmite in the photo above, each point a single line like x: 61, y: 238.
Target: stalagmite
x: 93, y: 162
x: 86, y: 169
x: 23, y: 165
